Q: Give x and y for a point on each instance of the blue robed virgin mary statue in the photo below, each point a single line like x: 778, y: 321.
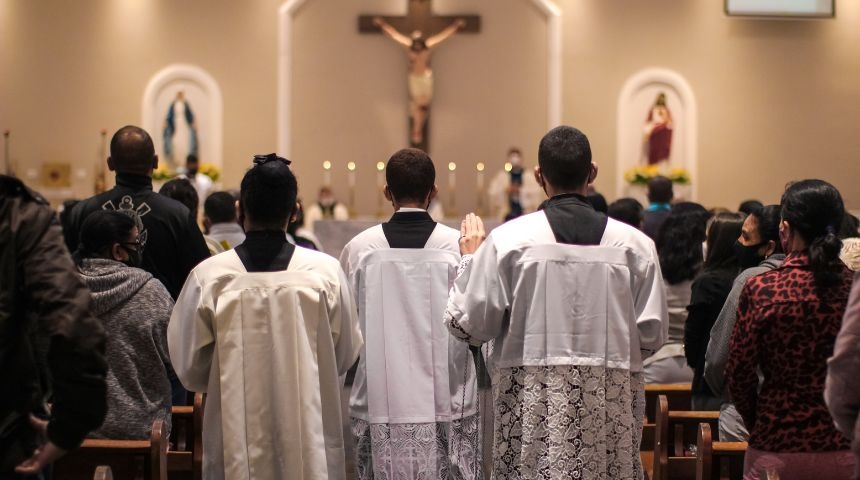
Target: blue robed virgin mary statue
x: 180, y: 132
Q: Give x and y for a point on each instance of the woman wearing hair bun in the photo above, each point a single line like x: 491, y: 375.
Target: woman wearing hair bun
x: 787, y: 324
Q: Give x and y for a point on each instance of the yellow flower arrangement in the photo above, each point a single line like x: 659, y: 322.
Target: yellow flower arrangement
x: 162, y: 173
x: 641, y: 174
x: 210, y: 170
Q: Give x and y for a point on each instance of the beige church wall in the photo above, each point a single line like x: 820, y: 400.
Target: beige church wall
x: 777, y: 100
x: 350, y: 96
x: 70, y: 69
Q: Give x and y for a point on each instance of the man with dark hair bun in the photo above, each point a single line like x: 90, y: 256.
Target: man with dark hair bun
x: 413, y: 377
x: 267, y: 330
x: 170, y: 238
x: 573, y: 302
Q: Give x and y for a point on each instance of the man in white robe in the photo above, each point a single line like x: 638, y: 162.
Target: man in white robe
x: 572, y: 301
x: 413, y: 403
x: 267, y: 330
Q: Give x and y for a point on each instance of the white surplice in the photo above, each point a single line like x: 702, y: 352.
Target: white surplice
x: 269, y: 349
x: 413, y: 402
x: 569, y: 324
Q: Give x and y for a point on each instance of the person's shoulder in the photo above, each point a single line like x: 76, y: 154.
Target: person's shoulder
x: 218, y: 265
x: 445, y: 238
x: 371, y: 237
x: 621, y: 234
x: 306, y: 259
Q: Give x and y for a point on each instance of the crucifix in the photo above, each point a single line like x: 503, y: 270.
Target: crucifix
x: 419, y: 31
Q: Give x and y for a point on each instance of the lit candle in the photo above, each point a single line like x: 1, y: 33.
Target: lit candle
x: 480, y: 178
x: 380, y: 177
x: 351, y: 167
x: 327, y: 173
x: 452, y: 176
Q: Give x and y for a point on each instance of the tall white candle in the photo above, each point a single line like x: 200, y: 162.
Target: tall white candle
x: 452, y: 176
x: 380, y: 175
x: 327, y: 173
x: 351, y: 167
x: 480, y: 177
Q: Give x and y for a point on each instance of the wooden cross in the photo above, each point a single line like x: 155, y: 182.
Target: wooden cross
x: 419, y: 17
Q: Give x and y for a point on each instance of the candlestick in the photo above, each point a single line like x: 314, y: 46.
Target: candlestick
x: 351, y: 178
x: 100, y: 181
x: 8, y: 163
x: 480, y: 181
x: 380, y: 184
x: 327, y: 173
x: 452, y: 183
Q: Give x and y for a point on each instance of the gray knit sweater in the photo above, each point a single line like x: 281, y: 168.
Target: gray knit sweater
x: 134, y: 308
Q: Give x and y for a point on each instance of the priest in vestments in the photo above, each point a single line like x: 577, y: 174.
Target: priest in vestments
x: 572, y: 301
x: 413, y: 402
x: 267, y: 330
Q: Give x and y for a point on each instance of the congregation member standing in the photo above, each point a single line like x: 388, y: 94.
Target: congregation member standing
x: 842, y: 388
x: 679, y: 249
x: 134, y: 308
x: 572, y: 302
x: 787, y: 324
x: 707, y: 297
x: 219, y: 220
x: 170, y: 239
x: 660, y: 195
x: 412, y: 415
x: 267, y: 330
x: 758, y: 250
x: 49, y: 340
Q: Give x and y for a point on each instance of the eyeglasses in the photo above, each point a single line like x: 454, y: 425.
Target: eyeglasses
x: 136, y: 244
x: 264, y: 159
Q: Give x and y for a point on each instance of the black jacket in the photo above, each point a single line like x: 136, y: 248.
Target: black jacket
x: 172, y: 242
x: 50, y: 343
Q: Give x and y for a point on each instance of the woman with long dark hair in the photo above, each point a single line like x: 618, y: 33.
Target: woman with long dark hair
x: 709, y: 293
x: 134, y: 308
x: 787, y: 323
x: 679, y: 247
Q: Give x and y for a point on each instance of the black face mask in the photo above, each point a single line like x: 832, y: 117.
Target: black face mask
x: 748, y: 255
x: 135, y: 259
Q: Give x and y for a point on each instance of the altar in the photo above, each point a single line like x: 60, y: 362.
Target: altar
x: 335, y: 234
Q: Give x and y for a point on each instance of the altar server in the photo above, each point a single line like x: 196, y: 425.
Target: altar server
x: 413, y: 400
x: 573, y: 301
x: 267, y: 330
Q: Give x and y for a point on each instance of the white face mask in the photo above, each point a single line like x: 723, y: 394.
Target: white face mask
x: 327, y: 201
x: 515, y: 160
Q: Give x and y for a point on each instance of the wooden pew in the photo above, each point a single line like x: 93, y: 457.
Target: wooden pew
x: 718, y: 460
x: 678, y: 394
x: 673, y: 432
x: 185, y: 459
x: 127, y: 459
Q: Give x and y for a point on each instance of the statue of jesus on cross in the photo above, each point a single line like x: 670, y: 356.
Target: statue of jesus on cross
x: 419, y: 49
x: 427, y: 31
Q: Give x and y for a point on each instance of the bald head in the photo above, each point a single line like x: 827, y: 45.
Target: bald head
x: 132, y: 151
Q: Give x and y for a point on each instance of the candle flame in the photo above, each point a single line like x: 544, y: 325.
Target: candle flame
x: 350, y: 166
x: 452, y: 166
x: 327, y: 165
x: 480, y: 166
x: 380, y: 166
x: 508, y: 166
